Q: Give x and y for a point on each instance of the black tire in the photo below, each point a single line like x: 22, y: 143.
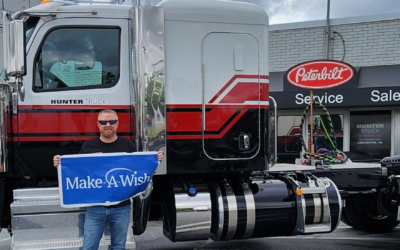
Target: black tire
x: 363, y: 215
x: 345, y: 220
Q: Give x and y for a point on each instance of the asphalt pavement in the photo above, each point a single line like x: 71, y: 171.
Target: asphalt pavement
x: 343, y: 238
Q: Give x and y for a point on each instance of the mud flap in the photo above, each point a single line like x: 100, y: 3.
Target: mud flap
x: 141, y: 210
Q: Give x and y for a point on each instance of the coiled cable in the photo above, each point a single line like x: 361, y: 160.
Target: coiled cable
x: 334, y: 157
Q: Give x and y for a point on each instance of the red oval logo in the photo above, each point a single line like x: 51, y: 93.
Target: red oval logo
x: 321, y: 74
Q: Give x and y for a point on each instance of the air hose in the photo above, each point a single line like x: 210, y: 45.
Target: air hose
x: 334, y: 157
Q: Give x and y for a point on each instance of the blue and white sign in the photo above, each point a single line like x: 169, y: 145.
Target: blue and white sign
x: 104, y: 179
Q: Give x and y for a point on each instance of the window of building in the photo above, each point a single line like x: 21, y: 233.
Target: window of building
x: 325, y: 126
x: 78, y: 58
x: 289, y: 136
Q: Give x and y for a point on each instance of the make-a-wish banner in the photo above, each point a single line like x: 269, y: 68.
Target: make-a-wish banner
x: 104, y: 179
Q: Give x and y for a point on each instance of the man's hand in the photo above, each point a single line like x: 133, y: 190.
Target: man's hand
x: 160, y: 156
x: 56, y: 161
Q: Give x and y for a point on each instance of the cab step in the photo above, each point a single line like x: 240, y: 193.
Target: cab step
x: 65, y: 244
x: 39, y: 222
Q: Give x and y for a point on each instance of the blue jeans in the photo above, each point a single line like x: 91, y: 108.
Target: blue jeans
x: 96, y: 220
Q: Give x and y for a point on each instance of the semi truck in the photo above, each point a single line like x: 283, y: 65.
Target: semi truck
x: 189, y: 78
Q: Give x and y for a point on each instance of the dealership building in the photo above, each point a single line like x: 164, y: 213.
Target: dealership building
x: 365, y: 111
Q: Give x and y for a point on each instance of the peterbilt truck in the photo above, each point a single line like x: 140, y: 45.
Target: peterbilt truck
x: 189, y: 78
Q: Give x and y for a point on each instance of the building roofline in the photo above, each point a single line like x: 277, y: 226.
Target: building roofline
x: 336, y: 21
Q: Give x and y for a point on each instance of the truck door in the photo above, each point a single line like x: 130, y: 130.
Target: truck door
x: 231, y: 96
x: 76, y: 67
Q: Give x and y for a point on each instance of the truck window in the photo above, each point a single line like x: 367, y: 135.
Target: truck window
x: 77, y: 58
x: 30, y: 27
x: 288, y: 132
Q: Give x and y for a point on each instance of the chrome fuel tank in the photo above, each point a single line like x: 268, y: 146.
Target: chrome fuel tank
x: 233, y: 209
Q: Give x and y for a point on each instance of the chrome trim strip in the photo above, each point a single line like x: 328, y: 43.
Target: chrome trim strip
x: 192, y: 224
x: 191, y: 229
x: 327, y: 214
x: 4, y: 124
x: 232, y: 211
x: 325, y: 199
x: 251, y: 211
x: 303, y: 205
x: 274, y: 135
x: 317, y: 208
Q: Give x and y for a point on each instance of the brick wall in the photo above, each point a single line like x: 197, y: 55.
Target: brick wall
x: 366, y: 44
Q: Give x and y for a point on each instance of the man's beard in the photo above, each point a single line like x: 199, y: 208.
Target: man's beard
x: 105, y: 133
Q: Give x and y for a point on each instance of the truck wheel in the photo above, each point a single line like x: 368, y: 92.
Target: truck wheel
x: 344, y: 218
x: 363, y: 215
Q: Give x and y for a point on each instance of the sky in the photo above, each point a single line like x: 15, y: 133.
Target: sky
x: 289, y: 11
x: 285, y: 11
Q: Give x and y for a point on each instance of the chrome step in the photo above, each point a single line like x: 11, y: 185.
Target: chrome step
x: 39, y: 222
x: 317, y: 228
x: 65, y: 244
x: 313, y: 190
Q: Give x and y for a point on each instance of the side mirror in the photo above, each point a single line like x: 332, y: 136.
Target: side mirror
x: 14, y: 45
x: 6, y: 44
x: 17, y: 49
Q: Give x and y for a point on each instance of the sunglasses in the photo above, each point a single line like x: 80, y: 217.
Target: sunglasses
x: 112, y: 122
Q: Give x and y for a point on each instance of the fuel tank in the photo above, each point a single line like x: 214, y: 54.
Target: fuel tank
x: 233, y: 209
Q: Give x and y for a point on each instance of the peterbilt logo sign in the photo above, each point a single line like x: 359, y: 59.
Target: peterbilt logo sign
x: 320, y: 74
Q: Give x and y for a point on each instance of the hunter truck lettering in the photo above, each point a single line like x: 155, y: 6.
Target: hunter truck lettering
x: 128, y: 179
x: 78, y: 101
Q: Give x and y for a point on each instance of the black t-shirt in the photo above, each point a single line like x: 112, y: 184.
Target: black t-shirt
x: 121, y: 145
x: 118, y: 146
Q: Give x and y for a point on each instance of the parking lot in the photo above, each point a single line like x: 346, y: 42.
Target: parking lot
x: 344, y: 238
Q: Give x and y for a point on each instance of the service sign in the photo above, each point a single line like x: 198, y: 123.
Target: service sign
x: 321, y: 74
x: 104, y: 179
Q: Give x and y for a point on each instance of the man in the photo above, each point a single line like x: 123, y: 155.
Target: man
x: 117, y: 216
